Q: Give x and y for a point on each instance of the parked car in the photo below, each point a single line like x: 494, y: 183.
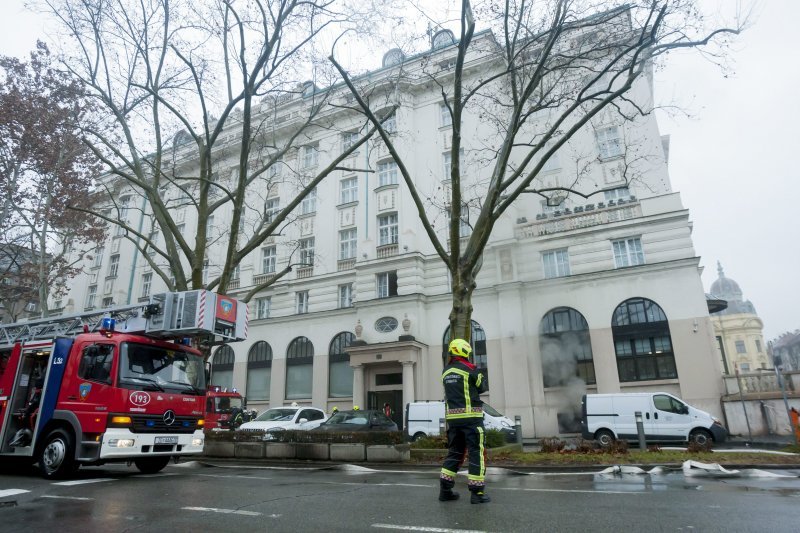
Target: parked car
x: 288, y: 417
x: 358, y: 420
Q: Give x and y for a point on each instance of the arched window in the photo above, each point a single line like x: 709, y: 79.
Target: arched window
x: 477, y: 340
x: 340, y: 373
x: 259, y: 371
x: 222, y: 367
x: 299, y: 368
x: 566, y: 348
x: 642, y: 341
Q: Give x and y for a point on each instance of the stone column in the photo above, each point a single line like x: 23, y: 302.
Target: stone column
x: 358, y: 386
x: 408, y: 383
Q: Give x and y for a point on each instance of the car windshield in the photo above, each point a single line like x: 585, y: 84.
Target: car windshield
x: 225, y: 404
x: 349, y: 417
x: 276, y: 415
x: 155, y: 368
x: 491, y: 411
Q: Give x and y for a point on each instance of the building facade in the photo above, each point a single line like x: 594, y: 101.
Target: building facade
x: 738, y: 329
x: 599, y: 295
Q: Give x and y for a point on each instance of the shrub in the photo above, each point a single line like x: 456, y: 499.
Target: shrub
x: 434, y: 442
x: 495, y: 438
x: 358, y: 437
x: 582, y: 445
x: 694, y: 447
x: 552, y: 444
x: 654, y: 448
x: 619, y: 447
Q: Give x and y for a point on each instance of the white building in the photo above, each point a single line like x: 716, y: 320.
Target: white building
x: 599, y: 295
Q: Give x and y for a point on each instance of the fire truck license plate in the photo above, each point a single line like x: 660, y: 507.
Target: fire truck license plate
x: 166, y: 440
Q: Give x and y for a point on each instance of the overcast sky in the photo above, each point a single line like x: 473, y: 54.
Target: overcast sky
x: 734, y: 160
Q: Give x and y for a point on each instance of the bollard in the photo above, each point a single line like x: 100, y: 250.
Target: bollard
x: 640, y: 430
x: 442, y: 429
x: 518, y: 428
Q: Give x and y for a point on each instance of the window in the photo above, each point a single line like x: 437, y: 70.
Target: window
x: 113, y: 267
x: 616, y: 194
x: 271, y: 209
x: 386, y: 324
x: 181, y: 229
x: 554, y: 204
x: 345, y: 295
x: 464, y: 227
x: 153, y: 237
x: 124, y: 206
x: 98, y: 256
x: 348, y: 188
x: 222, y: 367
x: 349, y: 138
x: 299, y: 368
x: 340, y: 373
x: 120, y: 230
x: 30, y: 307
x: 642, y: 341
x: 387, y: 284
x: 477, y: 341
x: 96, y: 363
x: 553, y: 162
x: 91, y: 295
x: 740, y: 347
x: 745, y: 367
x: 268, y: 259
x: 276, y: 169
x: 309, y: 204
x: 347, y: 243
x: 447, y: 159
x: 147, y: 280
x: 387, y: 173
x: 758, y: 346
x: 628, y: 252
x: 445, y: 118
x: 307, y: 251
x: 565, y: 348
x: 107, y: 302
x: 301, y: 302
x: 310, y: 155
x: 387, y: 229
x: 390, y: 124
x: 609, y: 142
x: 556, y: 263
x: 263, y: 306
x: 205, y: 272
x: 259, y: 371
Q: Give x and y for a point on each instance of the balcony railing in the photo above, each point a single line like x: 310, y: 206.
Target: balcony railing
x: 765, y: 381
x: 581, y: 217
x: 260, y: 279
x: 234, y: 284
x: 345, y: 264
x: 387, y: 250
x: 305, y: 272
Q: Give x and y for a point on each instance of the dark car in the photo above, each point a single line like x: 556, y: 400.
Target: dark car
x: 358, y: 420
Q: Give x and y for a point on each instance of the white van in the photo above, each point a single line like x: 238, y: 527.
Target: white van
x: 665, y: 418
x: 422, y: 420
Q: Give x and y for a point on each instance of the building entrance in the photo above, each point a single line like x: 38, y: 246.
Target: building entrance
x: 377, y: 400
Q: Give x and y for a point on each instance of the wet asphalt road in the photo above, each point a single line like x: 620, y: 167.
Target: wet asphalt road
x: 226, y: 497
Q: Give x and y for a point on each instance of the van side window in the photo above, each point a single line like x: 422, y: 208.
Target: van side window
x: 96, y: 363
x: 667, y: 403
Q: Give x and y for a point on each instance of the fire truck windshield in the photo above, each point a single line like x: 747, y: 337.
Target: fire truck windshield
x: 226, y: 404
x: 154, y: 368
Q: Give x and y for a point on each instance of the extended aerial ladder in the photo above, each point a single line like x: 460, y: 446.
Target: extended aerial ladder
x: 165, y: 315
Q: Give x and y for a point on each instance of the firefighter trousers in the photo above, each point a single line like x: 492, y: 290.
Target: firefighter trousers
x: 465, y: 440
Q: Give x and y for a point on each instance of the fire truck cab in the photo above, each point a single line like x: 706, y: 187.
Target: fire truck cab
x: 222, y: 405
x: 121, y: 385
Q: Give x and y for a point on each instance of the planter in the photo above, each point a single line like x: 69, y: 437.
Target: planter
x: 312, y: 450
x: 348, y: 452
x: 279, y: 450
x: 388, y: 453
x: 218, y: 448
x: 249, y: 450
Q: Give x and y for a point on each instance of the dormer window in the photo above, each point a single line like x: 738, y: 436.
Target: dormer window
x: 442, y: 38
x: 395, y: 56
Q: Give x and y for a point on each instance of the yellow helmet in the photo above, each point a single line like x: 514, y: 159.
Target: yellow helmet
x: 460, y: 347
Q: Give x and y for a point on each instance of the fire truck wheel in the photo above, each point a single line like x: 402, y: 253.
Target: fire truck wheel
x: 57, y: 455
x: 151, y: 465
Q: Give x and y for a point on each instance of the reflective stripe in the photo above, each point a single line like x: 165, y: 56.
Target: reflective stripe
x: 449, y: 473
x: 479, y: 380
x: 482, y: 448
x: 449, y: 416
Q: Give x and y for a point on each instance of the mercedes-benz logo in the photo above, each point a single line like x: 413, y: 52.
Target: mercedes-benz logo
x: 169, y: 417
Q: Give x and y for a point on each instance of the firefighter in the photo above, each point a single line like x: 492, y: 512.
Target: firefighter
x: 463, y: 384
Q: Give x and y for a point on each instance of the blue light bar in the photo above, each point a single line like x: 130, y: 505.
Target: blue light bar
x: 107, y: 324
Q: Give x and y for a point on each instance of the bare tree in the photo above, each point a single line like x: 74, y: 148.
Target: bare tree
x: 205, y: 106
x: 542, y: 76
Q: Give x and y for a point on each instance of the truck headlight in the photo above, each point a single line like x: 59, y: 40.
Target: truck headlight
x: 121, y: 443
x: 197, y: 442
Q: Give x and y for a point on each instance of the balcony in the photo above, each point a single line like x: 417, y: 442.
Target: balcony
x: 260, y: 279
x: 305, y: 272
x: 234, y: 283
x: 762, y: 383
x: 387, y: 250
x: 345, y: 264
x: 582, y: 217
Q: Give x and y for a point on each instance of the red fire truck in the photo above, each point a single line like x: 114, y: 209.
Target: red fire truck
x: 222, y: 407
x: 116, y: 385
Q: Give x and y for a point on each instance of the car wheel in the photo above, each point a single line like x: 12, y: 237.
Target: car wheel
x: 151, y: 465
x: 56, y: 457
x: 604, y: 438
x: 701, y: 437
x: 418, y: 436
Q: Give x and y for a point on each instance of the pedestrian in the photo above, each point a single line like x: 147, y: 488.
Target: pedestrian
x: 463, y: 385
x: 387, y: 410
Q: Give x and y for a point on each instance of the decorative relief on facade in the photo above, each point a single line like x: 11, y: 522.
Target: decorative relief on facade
x: 506, y: 266
x: 613, y: 173
x: 386, y: 200
x: 347, y: 217
x: 307, y: 226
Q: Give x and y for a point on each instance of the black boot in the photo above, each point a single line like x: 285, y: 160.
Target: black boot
x: 446, y: 493
x: 479, y: 497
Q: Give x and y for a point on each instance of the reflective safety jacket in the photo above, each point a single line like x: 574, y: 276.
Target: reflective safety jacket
x: 463, y: 384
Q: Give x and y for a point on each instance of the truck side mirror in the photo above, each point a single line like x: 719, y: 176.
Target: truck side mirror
x: 208, y: 372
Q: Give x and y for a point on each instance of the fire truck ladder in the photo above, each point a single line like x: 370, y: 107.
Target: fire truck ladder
x: 65, y: 326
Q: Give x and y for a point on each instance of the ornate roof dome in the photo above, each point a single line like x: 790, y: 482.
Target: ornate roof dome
x: 725, y: 288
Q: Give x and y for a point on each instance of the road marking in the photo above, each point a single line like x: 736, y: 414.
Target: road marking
x: 83, y: 481
x: 433, y: 529
x: 235, y: 477
x: 225, y: 511
x: 12, y: 492
x: 578, y: 491
x: 80, y: 498
x: 377, y: 484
